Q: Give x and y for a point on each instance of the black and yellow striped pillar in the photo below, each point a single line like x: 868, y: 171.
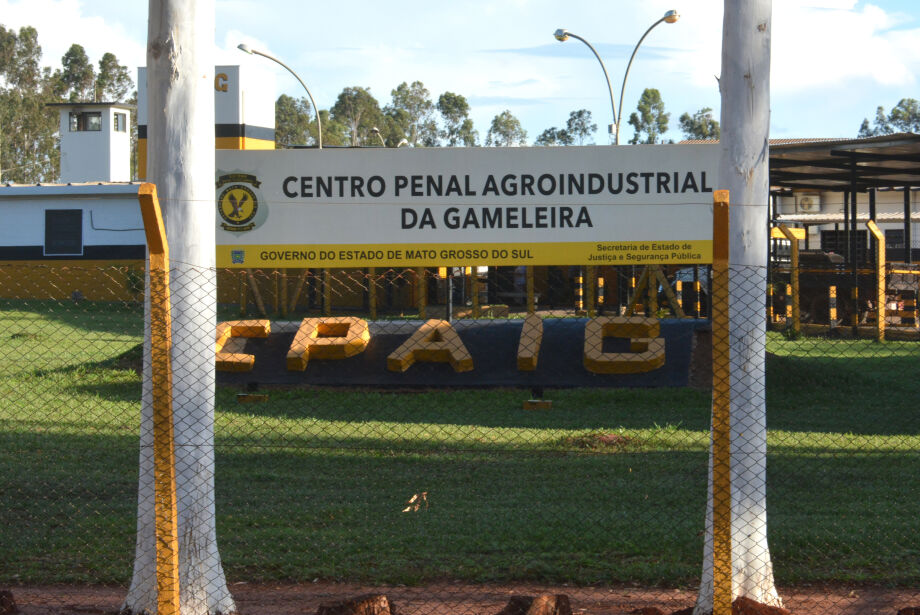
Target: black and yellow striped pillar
x: 244, y: 114
x: 579, y: 293
x: 696, y: 299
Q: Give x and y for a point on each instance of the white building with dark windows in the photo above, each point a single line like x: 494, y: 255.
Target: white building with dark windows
x: 95, y: 141
x: 55, y: 237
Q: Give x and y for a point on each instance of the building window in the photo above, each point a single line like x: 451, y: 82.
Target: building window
x: 837, y: 242
x: 63, y: 232
x: 121, y: 123
x: 894, y: 239
x: 85, y: 121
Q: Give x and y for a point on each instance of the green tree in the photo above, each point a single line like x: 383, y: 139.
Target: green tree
x: 396, y: 127
x: 458, y: 127
x: 334, y: 132
x: 700, y: 125
x: 292, y: 121
x: 359, y: 112
x: 77, y: 77
x: 28, y: 147
x: 294, y: 126
x: 554, y: 136
x: 650, y: 120
x: 469, y: 136
x: 411, y: 112
x: 113, y: 81
x: 506, y: 131
x: 904, y: 117
x: 579, y: 126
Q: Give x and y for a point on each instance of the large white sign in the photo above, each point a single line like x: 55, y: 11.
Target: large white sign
x: 627, y: 205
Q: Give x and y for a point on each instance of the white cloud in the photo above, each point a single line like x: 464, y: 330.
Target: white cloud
x: 61, y: 23
x: 815, y: 45
x: 819, y: 47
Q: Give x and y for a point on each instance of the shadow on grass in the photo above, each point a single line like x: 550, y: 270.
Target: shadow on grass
x: 492, y: 408
x: 868, y: 395
x: 116, y: 317
x: 295, y: 513
x: 95, y: 377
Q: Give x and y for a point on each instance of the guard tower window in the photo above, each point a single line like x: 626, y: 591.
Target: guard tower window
x: 85, y: 121
x: 63, y: 232
x: 121, y: 123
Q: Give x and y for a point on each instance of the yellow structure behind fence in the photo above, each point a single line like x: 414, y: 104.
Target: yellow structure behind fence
x: 164, y: 457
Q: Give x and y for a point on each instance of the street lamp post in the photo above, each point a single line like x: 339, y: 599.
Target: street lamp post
x: 319, y: 123
x: 376, y: 131
x: 563, y: 35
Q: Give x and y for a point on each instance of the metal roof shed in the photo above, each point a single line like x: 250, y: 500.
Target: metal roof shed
x: 849, y: 166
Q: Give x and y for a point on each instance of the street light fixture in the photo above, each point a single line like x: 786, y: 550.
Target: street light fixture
x: 563, y: 35
x: 376, y: 131
x: 319, y: 124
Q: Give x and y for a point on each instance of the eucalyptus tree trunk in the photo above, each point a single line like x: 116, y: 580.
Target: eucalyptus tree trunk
x: 744, y: 171
x: 180, y: 161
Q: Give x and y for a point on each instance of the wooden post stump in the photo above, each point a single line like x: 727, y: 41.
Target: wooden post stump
x: 544, y: 604
x: 7, y: 603
x: 369, y: 604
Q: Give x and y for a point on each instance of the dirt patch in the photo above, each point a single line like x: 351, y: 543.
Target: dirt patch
x: 468, y: 599
x: 602, y: 441
x: 24, y: 336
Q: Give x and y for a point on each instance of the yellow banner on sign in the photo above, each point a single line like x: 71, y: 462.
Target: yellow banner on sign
x: 697, y: 252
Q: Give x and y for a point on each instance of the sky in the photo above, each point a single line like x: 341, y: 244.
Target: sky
x: 833, y: 61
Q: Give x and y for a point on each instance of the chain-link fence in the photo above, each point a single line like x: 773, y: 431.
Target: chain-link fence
x: 456, y: 440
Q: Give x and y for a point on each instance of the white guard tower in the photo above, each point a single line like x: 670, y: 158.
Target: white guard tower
x: 95, y: 142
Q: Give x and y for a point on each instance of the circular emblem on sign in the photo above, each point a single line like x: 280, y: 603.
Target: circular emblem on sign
x: 240, y: 206
x: 237, y: 205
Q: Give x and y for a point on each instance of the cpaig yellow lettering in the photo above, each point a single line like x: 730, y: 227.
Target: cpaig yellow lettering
x: 646, y: 347
x: 435, y: 341
x: 231, y: 339
x: 327, y: 338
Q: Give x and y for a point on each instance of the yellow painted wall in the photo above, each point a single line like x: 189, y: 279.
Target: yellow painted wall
x: 96, y: 280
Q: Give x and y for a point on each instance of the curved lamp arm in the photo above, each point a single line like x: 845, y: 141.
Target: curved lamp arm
x: 670, y: 17
x: 563, y: 35
x: 319, y: 123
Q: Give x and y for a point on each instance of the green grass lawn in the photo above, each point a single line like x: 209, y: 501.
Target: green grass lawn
x: 607, y: 486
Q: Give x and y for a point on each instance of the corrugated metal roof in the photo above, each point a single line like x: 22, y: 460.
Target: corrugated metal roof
x: 772, y: 141
x: 838, y: 217
x: 845, y: 164
x: 87, y: 189
x: 116, y: 105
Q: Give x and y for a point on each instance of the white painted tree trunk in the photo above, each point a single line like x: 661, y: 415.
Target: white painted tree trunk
x: 744, y: 171
x: 180, y: 161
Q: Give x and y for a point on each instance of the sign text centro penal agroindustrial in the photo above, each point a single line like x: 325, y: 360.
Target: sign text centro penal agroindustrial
x: 465, y: 206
